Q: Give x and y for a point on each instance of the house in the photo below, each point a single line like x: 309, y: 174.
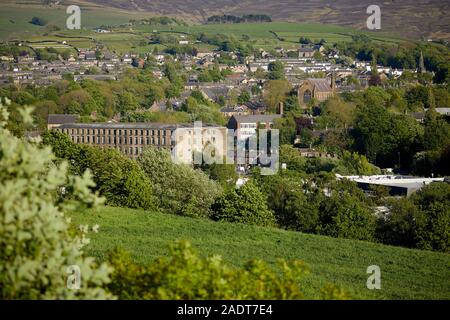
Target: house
x: 443, y: 111
x: 306, y: 52
x: 234, y: 111
x: 397, y: 185
x: 7, y: 58
x: 90, y: 56
x: 214, y: 93
x: 57, y: 120
x: 245, y: 126
x: 127, y: 58
x: 314, y: 153
x: 317, y: 89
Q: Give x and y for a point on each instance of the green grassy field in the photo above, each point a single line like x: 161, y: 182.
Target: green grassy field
x: 405, y: 273
x: 14, y: 25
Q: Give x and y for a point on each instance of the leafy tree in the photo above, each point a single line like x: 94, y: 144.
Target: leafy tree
x: 173, y: 184
x: 288, y: 129
x: 119, y: 179
x: 244, y: 97
x: 399, y: 227
x: 36, y: 246
x: 346, y: 215
x: 354, y: 164
x: 276, y: 70
x: 244, y: 205
x: 225, y: 174
x: 437, y: 131
x: 275, y: 92
x: 38, y: 21
x: 433, y: 230
x: 294, y: 201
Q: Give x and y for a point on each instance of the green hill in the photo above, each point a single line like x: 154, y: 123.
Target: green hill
x: 405, y: 273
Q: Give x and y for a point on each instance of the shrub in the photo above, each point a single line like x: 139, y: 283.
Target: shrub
x: 244, y: 205
x: 179, y: 188
x: 35, y: 245
x: 294, y: 201
x: 433, y: 229
x: 346, y: 214
x: 119, y: 179
x: 183, y: 275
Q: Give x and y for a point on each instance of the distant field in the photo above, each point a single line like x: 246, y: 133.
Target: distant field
x: 14, y: 25
x: 406, y: 274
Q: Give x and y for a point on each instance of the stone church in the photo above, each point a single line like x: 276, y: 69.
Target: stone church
x: 319, y: 89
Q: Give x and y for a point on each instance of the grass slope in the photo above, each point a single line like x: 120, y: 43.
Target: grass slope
x: 405, y: 273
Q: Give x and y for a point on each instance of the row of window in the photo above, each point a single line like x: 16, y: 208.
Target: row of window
x: 120, y: 140
x: 136, y: 132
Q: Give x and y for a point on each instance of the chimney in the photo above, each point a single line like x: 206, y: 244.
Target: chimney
x: 333, y: 82
x: 281, y: 108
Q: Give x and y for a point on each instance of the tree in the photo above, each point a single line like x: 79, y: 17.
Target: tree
x: 225, y: 174
x: 38, y: 21
x: 288, y: 129
x: 399, y: 227
x: 244, y: 205
x: 276, y: 70
x: 433, y: 229
x: 346, y: 215
x: 119, y: 179
x: 173, y: 184
x: 355, y: 164
x: 275, y: 92
x: 294, y: 201
x: 244, y: 97
x: 437, y: 131
x: 36, y: 246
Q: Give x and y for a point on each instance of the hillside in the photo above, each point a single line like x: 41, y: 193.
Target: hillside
x: 405, y: 273
x: 408, y: 18
x: 411, y: 18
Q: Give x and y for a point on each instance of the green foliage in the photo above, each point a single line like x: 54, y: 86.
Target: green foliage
x: 173, y: 184
x: 38, y: 21
x: 345, y: 214
x: 35, y: 245
x: 434, y: 228
x: 355, y: 164
x: 183, y: 275
x: 275, y: 92
x: 244, y: 205
x: 381, y: 136
x: 294, y: 201
x: 421, y: 221
x: 276, y: 70
x: 117, y: 177
x: 224, y: 173
x: 340, y: 261
x: 288, y: 129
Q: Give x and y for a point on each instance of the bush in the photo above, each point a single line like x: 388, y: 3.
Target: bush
x: 345, y: 214
x: 38, y: 21
x: 433, y: 229
x: 244, y: 205
x: 294, y: 201
x: 186, y: 276
x: 35, y: 246
x: 119, y: 179
x: 179, y: 188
